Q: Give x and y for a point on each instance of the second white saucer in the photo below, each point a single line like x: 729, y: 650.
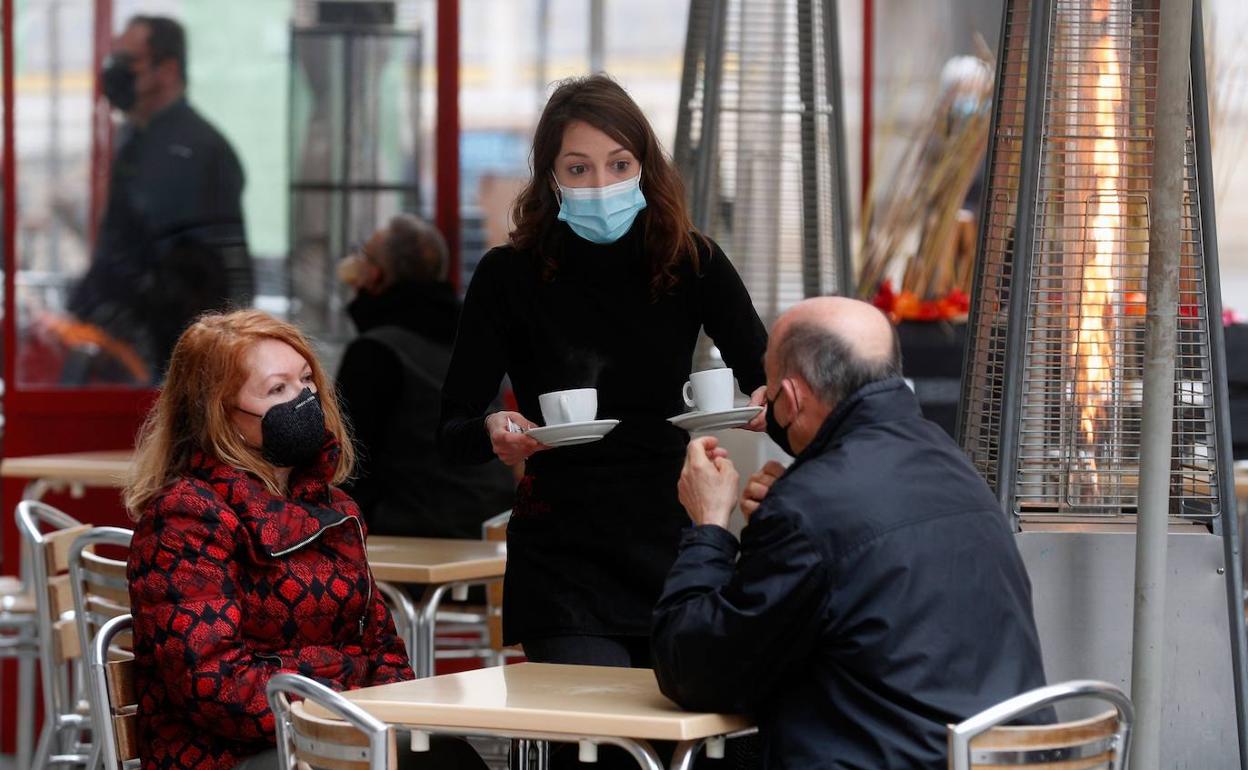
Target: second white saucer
x: 696, y: 422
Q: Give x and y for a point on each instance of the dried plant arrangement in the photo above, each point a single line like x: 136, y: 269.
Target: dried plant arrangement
x: 918, y: 229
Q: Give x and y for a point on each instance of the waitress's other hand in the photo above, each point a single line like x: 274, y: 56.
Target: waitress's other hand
x: 757, y: 487
x: 758, y: 398
x: 708, y: 483
x: 509, y: 445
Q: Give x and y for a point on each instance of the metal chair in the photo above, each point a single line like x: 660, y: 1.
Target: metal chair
x: 464, y: 631
x: 48, y: 534
x: 112, y: 685
x: 19, y: 640
x: 477, y: 632
x: 1102, y: 742
x: 355, y: 741
x: 100, y: 592
x: 495, y: 529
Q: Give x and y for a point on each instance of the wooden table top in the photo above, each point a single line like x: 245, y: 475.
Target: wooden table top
x: 98, y: 469
x: 572, y: 700
x: 429, y: 560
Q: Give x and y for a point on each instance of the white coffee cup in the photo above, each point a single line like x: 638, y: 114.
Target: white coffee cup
x: 713, y: 390
x: 562, y: 406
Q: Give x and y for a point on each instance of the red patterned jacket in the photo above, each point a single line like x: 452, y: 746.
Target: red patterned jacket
x: 230, y: 585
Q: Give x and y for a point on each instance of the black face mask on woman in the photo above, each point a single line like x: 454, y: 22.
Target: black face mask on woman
x: 293, y: 432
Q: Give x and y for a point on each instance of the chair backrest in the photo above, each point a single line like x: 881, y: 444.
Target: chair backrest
x: 112, y: 682
x: 100, y: 592
x: 986, y: 742
x: 495, y: 529
x: 355, y: 741
x: 98, y: 583
x: 48, y: 535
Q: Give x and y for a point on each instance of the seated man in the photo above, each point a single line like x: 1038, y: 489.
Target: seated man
x: 390, y: 382
x: 877, y: 593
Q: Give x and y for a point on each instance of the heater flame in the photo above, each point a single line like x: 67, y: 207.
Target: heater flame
x: 1094, y: 353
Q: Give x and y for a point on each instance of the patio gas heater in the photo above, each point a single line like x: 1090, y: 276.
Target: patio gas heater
x: 1051, y: 398
x: 760, y: 138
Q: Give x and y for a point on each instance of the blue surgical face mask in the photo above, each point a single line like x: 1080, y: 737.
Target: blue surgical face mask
x: 601, y: 214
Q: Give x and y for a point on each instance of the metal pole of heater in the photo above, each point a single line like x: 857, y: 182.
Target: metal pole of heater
x: 1227, y: 522
x: 1156, y: 428
x: 597, y: 36
x: 708, y: 137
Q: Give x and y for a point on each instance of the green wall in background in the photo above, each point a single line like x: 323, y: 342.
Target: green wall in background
x: 239, y: 68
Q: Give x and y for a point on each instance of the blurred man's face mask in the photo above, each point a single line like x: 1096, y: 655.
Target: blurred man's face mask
x: 118, y: 81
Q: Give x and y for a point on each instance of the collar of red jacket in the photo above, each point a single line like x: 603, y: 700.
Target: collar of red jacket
x: 280, y: 524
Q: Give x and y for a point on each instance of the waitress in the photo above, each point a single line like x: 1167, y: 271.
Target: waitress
x: 604, y: 284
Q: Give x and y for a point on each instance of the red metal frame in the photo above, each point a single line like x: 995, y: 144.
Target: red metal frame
x: 41, y: 419
x: 101, y: 117
x: 446, y: 135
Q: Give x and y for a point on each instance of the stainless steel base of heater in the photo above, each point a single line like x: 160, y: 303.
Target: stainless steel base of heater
x: 1082, y: 587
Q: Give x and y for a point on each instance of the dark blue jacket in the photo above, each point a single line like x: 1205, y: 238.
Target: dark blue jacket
x: 878, y: 595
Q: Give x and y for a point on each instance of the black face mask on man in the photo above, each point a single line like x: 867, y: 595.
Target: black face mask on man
x: 293, y: 432
x: 775, y: 431
x: 118, y: 81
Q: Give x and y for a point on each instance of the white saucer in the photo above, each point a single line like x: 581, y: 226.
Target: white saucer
x: 696, y: 422
x: 573, y: 433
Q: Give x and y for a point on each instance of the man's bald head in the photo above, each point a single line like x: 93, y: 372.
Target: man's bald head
x: 837, y: 345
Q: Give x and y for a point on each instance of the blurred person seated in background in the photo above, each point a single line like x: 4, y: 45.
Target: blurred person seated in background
x: 876, y: 594
x: 172, y: 243
x: 390, y: 381
x: 247, y: 559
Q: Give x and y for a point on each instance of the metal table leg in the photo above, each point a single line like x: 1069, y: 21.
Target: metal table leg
x: 427, y: 623
x: 407, y: 616
x: 523, y: 740
x: 687, y: 751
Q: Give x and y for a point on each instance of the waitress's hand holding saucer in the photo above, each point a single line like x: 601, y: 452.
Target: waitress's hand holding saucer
x: 508, y: 439
x: 758, y: 398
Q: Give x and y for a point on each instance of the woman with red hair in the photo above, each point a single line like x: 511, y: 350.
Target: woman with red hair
x: 247, y: 560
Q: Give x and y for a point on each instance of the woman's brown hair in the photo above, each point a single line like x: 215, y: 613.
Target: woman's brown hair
x: 602, y: 103
x: 206, y: 371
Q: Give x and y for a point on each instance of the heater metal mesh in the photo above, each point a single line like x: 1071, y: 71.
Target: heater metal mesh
x: 1078, y: 415
x: 765, y: 175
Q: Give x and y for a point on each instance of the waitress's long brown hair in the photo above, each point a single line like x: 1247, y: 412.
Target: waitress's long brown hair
x: 206, y: 371
x: 602, y: 103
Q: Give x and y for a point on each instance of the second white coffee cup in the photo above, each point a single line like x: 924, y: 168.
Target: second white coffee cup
x: 712, y: 390
x: 563, y: 406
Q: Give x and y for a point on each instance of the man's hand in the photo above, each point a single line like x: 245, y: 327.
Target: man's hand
x: 708, y: 483
x: 758, y: 486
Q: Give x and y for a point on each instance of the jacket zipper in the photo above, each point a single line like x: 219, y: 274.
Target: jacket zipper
x: 368, y: 599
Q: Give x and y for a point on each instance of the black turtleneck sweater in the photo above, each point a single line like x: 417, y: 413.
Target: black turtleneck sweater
x: 594, y: 527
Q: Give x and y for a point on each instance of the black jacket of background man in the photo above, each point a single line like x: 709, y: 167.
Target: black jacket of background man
x: 878, y: 596
x: 172, y: 244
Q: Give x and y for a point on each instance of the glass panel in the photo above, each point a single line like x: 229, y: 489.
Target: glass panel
x: 355, y: 132
x: 185, y: 209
